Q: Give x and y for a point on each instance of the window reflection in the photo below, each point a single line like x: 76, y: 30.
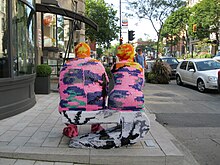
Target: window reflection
x: 30, y: 1
x: 4, y: 64
x: 60, y: 32
x: 50, y: 23
x: 23, y: 53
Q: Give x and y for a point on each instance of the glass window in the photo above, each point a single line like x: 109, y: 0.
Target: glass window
x: 50, y: 27
x: 183, y: 65
x: 60, y: 32
x: 4, y: 62
x: 63, y: 34
x: 170, y: 60
x: 23, y: 38
x: 67, y: 33
x: 207, y: 65
x: 190, y: 66
x: 31, y: 2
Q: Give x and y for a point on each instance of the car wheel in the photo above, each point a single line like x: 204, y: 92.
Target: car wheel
x: 178, y: 80
x: 201, y: 86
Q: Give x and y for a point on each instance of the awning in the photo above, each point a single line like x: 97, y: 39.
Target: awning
x: 67, y: 13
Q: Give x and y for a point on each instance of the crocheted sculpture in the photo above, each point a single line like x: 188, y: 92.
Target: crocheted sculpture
x: 127, y: 94
x: 82, y: 89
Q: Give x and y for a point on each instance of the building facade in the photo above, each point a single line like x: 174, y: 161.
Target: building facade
x: 17, y: 56
x: 34, y: 32
x: 56, y: 33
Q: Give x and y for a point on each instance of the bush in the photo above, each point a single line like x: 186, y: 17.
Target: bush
x: 152, y: 77
x: 160, y: 73
x: 43, y: 70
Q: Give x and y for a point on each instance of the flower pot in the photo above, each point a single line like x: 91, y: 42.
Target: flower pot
x: 42, y: 85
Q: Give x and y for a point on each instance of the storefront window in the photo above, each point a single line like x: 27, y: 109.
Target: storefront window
x: 31, y: 2
x: 60, y: 32
x: 4, y: 62
x: 67, y: 33
x: 50, y: 27
x: 23, y: 38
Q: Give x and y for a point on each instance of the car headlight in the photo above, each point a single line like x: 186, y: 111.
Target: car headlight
x: 212, y: 78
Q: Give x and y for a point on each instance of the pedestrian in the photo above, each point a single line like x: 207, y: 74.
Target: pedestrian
x: 110, y: 60
x: 140, y: 58
x: 83, y: 85
x: 127, y: 93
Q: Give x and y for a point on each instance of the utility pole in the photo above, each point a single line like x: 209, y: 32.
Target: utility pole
x: 120, y: 21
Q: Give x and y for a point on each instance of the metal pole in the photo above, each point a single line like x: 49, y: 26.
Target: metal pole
x: 120, y: 21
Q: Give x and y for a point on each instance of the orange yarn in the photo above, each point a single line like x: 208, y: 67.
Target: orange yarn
x: 82, y: 50
x: 126, y: 52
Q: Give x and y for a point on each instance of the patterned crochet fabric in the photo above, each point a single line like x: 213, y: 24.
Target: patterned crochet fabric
x: 82, y: 85
x: 127, y: 94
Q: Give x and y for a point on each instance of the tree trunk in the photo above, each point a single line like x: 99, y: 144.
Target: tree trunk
x: 158, y: 42
x: 187, y: 42
x: 217, y: 42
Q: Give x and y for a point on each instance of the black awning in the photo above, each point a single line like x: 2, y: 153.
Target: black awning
x: 67, y: 13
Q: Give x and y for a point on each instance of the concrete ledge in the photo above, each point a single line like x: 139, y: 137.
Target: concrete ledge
x: 116, y: 156
x: 159, y: 153
x: 128, y: 156
x: 48, y: 154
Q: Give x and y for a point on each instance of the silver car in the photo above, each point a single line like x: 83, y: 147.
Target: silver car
x: 202, y: 73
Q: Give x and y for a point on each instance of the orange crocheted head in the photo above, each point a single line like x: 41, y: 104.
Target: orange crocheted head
x: 125, y: 52
x: 82, y: 50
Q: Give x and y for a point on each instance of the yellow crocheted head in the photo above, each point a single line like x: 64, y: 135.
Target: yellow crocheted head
x: 82, y: 50
x: 125, y: 52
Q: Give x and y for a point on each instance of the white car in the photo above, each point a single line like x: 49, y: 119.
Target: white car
x: 202, y: 73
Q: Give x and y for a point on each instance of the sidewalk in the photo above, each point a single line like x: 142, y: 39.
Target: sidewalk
x: 37, y: 135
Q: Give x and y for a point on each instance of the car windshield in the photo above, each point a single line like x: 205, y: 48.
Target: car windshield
x: 170, y: 60
x: 207, y: 65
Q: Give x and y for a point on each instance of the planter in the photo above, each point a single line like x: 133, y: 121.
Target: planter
x: 42, y: 85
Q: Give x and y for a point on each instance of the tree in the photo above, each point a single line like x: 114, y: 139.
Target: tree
x: 175, y: 25
x: 156, y: 11
x: 105, y: 17
x: 206, y: 16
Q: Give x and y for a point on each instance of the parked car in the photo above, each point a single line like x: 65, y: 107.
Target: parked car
x: 202, y: 73
x: 173, y: 62
x: 217, y: 56
x: 150, y: 64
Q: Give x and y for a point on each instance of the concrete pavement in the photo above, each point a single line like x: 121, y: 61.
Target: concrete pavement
x: 36, y: 136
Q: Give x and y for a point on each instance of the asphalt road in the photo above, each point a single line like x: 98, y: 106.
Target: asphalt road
x: 192, y: 117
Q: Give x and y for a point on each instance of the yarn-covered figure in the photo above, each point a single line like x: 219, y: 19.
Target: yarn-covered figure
x: 127, y: 94
x: 83, y: 86
x: 83, y: 89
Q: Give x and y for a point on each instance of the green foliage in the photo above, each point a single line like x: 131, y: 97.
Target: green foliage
x: 156, y: 11
x: 160, y: 73
x: 105, y: 17
x: 99, y: 51
x: 147, y: 45
x: 152, y: 78
x: 43, y: 70
x: 176, y: 22
x: 205, y: 55
x: 205, y: 15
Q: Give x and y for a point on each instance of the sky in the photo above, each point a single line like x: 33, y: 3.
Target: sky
x: 143, y: 28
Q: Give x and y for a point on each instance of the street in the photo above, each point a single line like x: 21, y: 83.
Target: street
x: 192, y: 117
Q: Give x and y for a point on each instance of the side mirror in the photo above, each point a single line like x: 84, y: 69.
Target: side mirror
x: 192, y: 70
